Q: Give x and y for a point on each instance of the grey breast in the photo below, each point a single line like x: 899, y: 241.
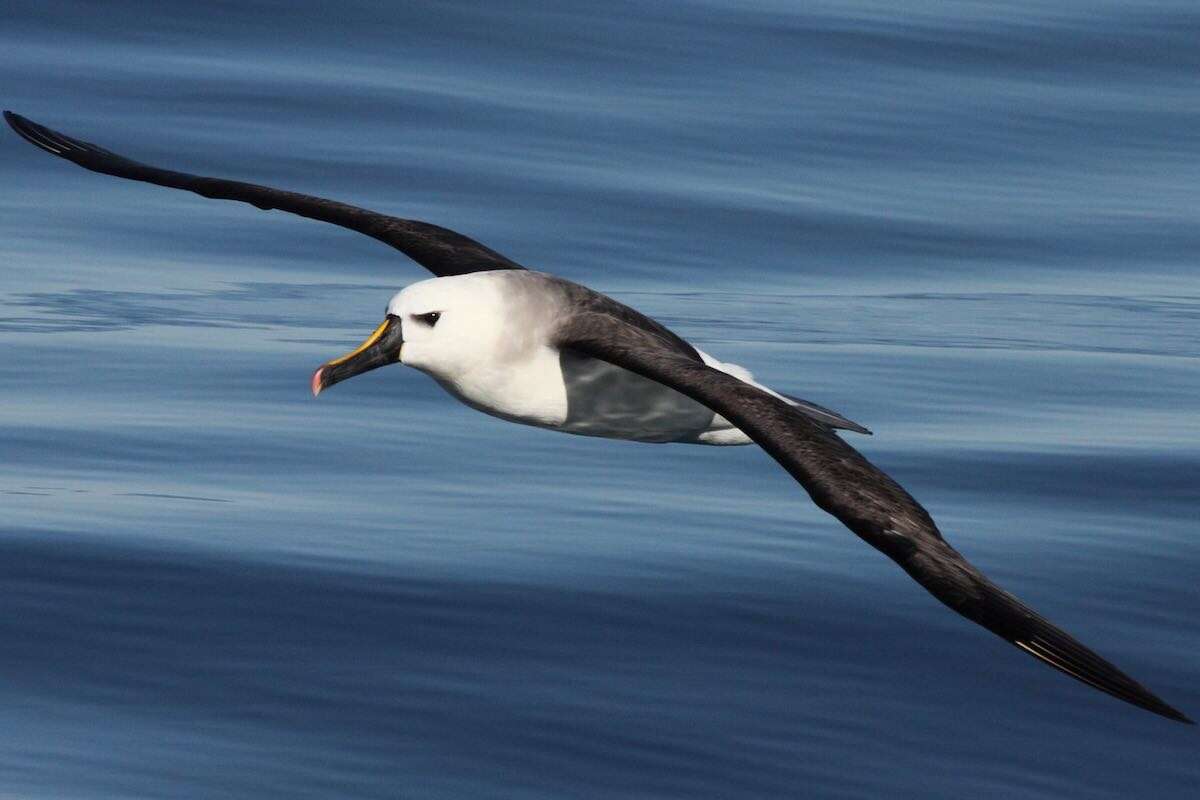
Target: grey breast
x: 604, y: 399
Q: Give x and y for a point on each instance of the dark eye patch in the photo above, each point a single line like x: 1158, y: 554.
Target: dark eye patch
x: 429, y: 319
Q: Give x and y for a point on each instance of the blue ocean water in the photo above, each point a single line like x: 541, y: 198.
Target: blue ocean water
x: 971, y: 226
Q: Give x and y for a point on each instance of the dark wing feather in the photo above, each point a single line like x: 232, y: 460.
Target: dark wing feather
x: 441, y: 251
x: 842, y: 482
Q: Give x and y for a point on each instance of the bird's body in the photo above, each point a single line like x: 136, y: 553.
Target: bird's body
x: 540, y: 350
x: 515, y: 376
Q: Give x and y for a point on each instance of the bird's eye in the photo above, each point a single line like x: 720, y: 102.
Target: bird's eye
x: 429, y: 319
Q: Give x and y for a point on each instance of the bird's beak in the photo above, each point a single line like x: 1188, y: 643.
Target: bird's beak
x: 380, y: 349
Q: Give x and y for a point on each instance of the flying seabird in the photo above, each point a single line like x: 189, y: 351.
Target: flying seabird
x: 534, y: 348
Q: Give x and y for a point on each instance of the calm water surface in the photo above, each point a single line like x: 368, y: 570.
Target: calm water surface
x: 970, y: 226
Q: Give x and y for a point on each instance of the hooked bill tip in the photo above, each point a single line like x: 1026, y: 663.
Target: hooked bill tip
x: 316, y: 381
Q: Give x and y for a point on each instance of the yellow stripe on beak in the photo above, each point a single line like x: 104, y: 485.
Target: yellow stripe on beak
x: 372, y: 339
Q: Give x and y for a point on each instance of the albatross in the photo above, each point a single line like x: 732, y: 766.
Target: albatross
x: 537, y: 349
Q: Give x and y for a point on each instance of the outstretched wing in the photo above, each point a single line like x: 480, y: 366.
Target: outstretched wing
x: 842, y: 482
x: 441, y: 251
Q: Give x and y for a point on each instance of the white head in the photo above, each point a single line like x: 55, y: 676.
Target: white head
x: 450, y: 324
x: 448, y: 327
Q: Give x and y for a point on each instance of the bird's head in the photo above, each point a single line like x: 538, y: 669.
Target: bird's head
x: 443, y: 326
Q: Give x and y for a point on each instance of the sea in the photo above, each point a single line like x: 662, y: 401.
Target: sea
x: 973, y: 227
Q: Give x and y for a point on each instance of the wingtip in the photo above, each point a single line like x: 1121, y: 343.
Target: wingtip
x: 33, y: 133
x: 1173, y: 714
x: 16, y: 120
x: 1156, y: 705
x: 53, y: 141
x: 1058, y: 649
x: 1167, y: 712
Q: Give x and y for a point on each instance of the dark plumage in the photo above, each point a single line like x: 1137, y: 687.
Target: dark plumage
x: 848, y: 486
x: 441, y: 251
x: 837, y: 477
